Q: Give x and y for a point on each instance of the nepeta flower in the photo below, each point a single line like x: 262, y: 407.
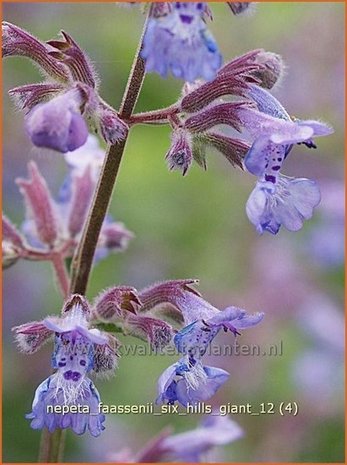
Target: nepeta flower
x: 58, y: 124
x: 58, y: 110
x: 188, y: 380
x: 68, y: 398
x: 177, y: 40
x: 277, y: 200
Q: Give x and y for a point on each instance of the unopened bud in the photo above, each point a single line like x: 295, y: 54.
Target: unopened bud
x: 180, y: 155
x: 112, y: 128
x: 111, y: 304
x: 39, y: 205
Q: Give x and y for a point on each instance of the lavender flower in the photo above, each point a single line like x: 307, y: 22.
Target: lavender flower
x: 189, y: 446
x: 178, y: 41
x: 188, y: 380
x: 58, y: 110
x: 68, y: 398
x: 58, y: 124
x: 277, y: 200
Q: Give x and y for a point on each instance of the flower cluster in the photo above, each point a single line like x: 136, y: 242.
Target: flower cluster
x: 270, y: 133
x: 81, y: 348
x: 60, y: 109
x: 52, y: 227
x: 187, y: 380
x: 78, y: 351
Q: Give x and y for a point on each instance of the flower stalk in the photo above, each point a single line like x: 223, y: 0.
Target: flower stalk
x: 83, y: 259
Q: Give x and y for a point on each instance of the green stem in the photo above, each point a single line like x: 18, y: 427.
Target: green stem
x: 83, y: 258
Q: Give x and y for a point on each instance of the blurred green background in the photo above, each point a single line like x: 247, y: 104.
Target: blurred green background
x: 196, y: 226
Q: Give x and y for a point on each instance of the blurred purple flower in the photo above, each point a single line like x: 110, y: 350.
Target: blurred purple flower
x: 177, y: 40
x: 54, y: 227
x: 325, y: 243
x: 189, y: 446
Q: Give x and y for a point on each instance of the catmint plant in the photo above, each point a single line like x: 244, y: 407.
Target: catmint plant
x: 227, y: 107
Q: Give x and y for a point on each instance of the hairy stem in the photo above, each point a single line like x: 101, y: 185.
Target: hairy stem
x: 82, y: 261
x: 156, y: 116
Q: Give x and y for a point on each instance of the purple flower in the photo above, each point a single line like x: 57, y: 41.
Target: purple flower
x: 178, y: 41
x: 68, y: 398
x: 59, y: 108
x: 189, y: 446
x: 189, y: 381
x: 58, y: 124
x: 277, y: 200
x: 287, y: 202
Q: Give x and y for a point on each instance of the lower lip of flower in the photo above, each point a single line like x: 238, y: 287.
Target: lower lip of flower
x: 72, y: 375
x: 186, y: 19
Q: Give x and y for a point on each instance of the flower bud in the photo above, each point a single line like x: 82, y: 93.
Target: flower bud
x: 17, y: 42
x: 112, y: 128
x: 105, y: 357
x: 162, y: 299
x: 206, y: 93
x: 111, y: 304
x: 158, y: 333
x: 58, y: 124
x: 180, y: 155
x: 39, y: 205
x: 114, y: 236
x: 271, y: 69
